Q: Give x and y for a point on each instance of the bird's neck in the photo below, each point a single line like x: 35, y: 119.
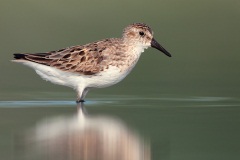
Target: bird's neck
x: 134, y: 47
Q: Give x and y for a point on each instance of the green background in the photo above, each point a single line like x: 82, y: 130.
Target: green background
x: 187, y: 105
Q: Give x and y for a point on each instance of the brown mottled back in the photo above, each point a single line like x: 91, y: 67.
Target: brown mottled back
x: 88, y: 59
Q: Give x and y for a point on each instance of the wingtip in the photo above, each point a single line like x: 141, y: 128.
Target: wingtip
x: 19, y: 56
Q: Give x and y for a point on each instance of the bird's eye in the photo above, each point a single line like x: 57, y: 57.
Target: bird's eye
x: 141, y: 33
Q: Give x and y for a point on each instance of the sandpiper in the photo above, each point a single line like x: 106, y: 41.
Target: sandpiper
x: 95, y: 65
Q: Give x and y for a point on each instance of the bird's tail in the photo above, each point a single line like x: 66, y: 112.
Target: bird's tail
x: 19, y: 56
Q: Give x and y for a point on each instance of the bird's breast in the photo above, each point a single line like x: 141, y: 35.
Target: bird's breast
x: 119, y: 65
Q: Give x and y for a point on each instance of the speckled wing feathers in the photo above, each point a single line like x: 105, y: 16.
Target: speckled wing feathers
x: 88, y: 59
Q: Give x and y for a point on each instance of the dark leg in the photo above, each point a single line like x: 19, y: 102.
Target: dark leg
x: 81, y: 95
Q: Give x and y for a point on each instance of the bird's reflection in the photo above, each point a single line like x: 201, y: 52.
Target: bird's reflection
x: 84, y: 137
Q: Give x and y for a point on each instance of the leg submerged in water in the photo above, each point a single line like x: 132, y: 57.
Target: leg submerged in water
x: 81, y: 93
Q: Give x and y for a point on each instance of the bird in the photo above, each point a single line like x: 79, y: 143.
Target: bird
x: 98, y: 64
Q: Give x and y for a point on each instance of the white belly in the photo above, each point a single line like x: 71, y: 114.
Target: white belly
x: 107, y: 78
x: 103, y: 79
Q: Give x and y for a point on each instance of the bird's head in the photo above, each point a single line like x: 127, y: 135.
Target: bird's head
x: 142, y: 35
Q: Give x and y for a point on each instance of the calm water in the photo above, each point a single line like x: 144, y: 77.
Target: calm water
x: 177, y: 127
x: 187, y: 106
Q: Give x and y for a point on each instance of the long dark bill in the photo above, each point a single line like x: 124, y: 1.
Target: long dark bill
x: 156, y: 45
